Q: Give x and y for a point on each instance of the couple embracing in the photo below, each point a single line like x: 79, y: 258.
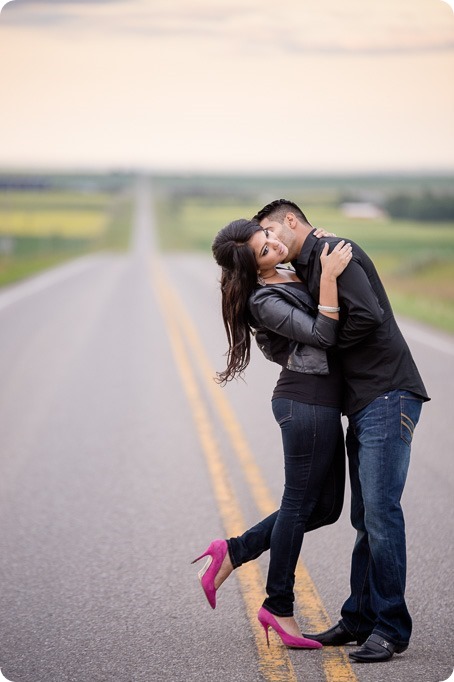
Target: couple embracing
x: 328, y: 323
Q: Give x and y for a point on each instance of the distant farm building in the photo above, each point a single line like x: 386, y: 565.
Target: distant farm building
x: 362, y: 209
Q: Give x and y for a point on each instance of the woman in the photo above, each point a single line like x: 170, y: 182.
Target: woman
x: 257, y: 295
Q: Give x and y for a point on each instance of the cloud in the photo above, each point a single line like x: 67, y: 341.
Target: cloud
x: 292, y: 27
x: 41, y: 13
x: 415, y: 46
x: 14, y: 5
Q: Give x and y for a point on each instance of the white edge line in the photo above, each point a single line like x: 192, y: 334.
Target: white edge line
x: 427, y: 338
x: 46, y: 279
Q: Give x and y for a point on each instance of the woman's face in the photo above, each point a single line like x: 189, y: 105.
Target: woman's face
x: 268, y: 250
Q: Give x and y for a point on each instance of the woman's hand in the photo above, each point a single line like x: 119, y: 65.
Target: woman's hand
x: 334, y: 264
x: 320, y: 232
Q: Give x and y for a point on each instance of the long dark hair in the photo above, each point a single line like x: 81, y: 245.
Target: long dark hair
x: 238, y: 280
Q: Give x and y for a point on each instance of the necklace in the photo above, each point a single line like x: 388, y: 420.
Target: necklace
x: 288, y: 270
x: 262, y: 280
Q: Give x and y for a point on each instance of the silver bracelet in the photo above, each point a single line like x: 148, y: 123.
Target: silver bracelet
x: 328, y: 309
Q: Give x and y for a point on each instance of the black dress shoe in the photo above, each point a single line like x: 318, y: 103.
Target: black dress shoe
x: 376, y: 649
x: 338, y: 635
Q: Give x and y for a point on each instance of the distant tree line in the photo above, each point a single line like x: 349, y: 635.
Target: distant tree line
x: 424, y: 206
x: 23, y: 183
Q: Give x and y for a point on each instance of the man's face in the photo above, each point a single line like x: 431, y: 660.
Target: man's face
x: 278, y: 228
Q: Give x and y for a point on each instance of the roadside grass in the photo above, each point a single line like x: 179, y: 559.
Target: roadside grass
x: 39, y: 229
x: 192, y: 224
x: 13, y: 270
x: 415, y: 260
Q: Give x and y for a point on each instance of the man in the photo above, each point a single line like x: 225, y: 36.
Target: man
x: 383, y: 400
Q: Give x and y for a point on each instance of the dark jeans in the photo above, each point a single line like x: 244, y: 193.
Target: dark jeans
x: 314, y: 460
x: 378, y: 445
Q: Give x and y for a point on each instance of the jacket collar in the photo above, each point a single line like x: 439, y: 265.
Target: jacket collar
x: 307, y: 248
x: 295, y: 295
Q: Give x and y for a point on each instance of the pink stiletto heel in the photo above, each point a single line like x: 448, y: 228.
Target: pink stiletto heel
x: 267, y: 620
x: 215, y: 553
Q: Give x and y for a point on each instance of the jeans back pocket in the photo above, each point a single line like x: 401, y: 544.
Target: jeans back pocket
x: 410, y: 410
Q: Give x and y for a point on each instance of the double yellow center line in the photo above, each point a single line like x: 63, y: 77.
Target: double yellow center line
x: 275, y: 663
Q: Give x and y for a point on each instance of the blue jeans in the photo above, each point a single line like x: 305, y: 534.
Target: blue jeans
x: 378, y: 446
x: 314, y: 460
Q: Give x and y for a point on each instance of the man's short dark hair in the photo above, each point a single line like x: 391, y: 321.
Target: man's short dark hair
x: 278, y: 209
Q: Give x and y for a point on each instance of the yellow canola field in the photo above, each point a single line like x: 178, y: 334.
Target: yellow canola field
x: 41, y: 214
x: 70, y: 223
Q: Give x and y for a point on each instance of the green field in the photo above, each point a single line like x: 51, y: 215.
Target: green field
x: 46, y: 219
x: 59, y: 219
x: 414, y: 259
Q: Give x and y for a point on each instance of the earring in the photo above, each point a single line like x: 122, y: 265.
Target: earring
x: 260, y: 279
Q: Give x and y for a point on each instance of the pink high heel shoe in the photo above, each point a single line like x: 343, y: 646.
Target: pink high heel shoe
x: 215, y: 553
x: 267, y: 620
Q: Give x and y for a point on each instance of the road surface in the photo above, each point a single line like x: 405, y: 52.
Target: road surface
x: 121, y: 459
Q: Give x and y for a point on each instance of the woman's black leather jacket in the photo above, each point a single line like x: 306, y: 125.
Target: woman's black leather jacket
x: 289, y: 329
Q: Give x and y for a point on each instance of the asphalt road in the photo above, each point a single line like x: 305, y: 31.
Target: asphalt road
x: 114, y: 451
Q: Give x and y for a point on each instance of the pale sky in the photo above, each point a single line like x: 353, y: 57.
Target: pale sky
x: 211, y: 85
